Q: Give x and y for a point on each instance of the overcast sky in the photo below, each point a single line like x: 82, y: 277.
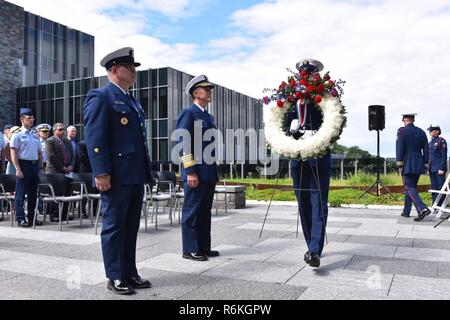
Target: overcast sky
x: 393, y: 52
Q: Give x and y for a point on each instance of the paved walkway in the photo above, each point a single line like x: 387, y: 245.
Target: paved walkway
x: 371, y: 254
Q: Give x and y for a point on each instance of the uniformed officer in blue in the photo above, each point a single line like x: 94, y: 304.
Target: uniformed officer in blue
x: 43, y: 132
x: 198, y: 176
x: 311, y: 178
x: 114, y: 130
x: 26, y: 156
x: 438, y: 159
x: 412, y: 160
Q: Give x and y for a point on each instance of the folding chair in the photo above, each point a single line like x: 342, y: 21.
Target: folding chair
x: 444, y: 193
x: 52, y: 189
x: 166, y: 186
x: 91, y: 194
x: 7, y: 190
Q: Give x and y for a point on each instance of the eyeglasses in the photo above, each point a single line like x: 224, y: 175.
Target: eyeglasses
x: 60, y: 129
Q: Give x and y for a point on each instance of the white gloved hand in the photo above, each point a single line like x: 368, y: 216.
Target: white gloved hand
x: 295, y: 126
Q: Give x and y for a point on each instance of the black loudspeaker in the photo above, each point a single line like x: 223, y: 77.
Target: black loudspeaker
x: 376, y: 118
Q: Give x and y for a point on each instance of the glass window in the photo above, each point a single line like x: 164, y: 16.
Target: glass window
x: 23, y: 94
x: 59, y: 106
x: 77, y: 110
x: 47, y: 26
x: 47, y: 45
x: 155, y: 150
x: 32, y: 94
x: 86, y: 85
x: 154, y: 78
x: 144, y: 101
x: 47, y: 112
x: 78, y: 87
x: 154, y: 129
x: 59, y: 90
x: 163, y: 146
x: 163, y: 103
x: 163, y: 129
x: 42, y: 92
x: 163, y: 77
x: 143, y: 79
x: 71, y: 110
x: 154, y: 106
x: 50, y: 91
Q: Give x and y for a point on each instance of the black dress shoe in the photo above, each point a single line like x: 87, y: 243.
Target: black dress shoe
x: 210, y: 253
x: 422, y: 214
x: 195, y: 256
x: 139, y: 283
x: 405, y: 215
x: 305, y: 257
x: 120, y: 287
x: 312, y: 259
x: 37, y: 223
x: 23, y: 224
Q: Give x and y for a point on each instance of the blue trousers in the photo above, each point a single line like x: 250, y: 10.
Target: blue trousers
x: 312, y: 203
x: 26, y: 186
x: 121, y: 208
x: 411, y: 195
x: 437, y: 181
x: 196, y: 218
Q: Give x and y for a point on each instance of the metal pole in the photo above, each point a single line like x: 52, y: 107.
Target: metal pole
x: 231, y: 171
x: 385, y: 166
x: 342, y: 168
x: 356, y: 166
x: 378, y: 162
x: 242, y: 170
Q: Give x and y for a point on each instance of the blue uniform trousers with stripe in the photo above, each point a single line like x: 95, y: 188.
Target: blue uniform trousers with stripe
x: 196, y: 218
x: 121, y: 208
x: 411, y: 195
x: 437, y: 181
x: 312, y: 185
x: 26, y: 186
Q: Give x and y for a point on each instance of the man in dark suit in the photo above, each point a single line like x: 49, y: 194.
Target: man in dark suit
x: 198, y: 175
x: 60, y: 159
x: 311, y: 178
x: 412, y: 158
x: 116, y: 142
x: 72, y: 137
x: 82, y: 154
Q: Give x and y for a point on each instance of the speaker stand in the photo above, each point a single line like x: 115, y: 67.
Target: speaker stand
x: 378, y: 182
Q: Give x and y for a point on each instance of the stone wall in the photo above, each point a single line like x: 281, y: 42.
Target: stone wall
x: 11, y: 53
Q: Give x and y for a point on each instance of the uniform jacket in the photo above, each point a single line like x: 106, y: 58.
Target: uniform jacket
x: 115, y: 136
x: 412, y: 149
x: 196, y: 163
x: 438, y: 154
x: 314, y: 120
x: 55, y: 159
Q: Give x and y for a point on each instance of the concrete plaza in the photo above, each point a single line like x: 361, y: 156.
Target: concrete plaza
x: 371, y: 254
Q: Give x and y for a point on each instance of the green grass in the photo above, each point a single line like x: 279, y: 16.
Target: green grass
x: 336, y: 197
x: 361, y: 179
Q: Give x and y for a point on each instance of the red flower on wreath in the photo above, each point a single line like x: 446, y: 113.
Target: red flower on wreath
x: 304, y: 85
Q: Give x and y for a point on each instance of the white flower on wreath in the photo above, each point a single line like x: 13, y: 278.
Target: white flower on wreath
x: 306, y: 147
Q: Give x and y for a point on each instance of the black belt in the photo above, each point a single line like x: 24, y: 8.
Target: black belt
x: 29, y: 161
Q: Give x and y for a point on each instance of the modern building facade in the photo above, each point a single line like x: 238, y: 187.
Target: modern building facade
x: 161, y: 94
x: 37, y: 51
